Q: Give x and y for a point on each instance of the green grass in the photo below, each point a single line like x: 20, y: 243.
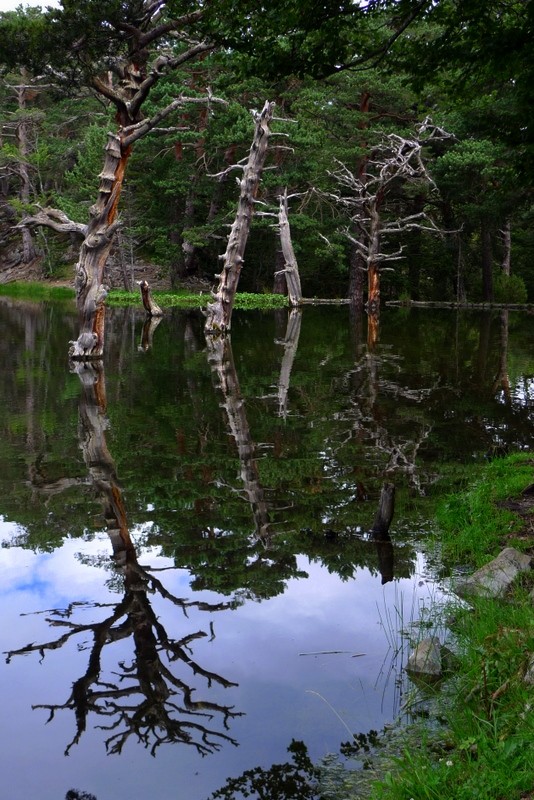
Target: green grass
x: 482, y: 748
x: 472, y: 524
x: 36, y: 291
x: 179, y: 299
x: 117, y: 297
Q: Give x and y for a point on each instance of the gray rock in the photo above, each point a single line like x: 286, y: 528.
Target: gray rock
x: 493, y: 579
x: 529, y: 675
x: 425, y: 661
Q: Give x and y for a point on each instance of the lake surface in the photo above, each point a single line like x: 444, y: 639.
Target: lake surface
x: 187, y: 574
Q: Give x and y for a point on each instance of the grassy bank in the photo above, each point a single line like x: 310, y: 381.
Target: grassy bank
x: 180, y: 299
x: 478, y: 742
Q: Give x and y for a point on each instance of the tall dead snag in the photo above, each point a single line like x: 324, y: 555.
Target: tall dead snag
x: 291, y: 270
x: 138, y: 45
x: 219, y: 313
x: 395, y: 162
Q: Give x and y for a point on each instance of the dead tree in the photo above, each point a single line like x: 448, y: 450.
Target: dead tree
x: 149, y: 304
x: 219, y: 312
x: 395, y: 162
x: 291, y: 270
x: 125, y: 82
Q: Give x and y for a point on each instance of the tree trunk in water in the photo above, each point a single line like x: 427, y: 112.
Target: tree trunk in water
x: 487, y: 264
x: 291, y: 269
x: 219, y: 312
x: 149, y: 304
x: 90, y: 290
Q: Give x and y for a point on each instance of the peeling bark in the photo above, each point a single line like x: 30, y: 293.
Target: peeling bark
x: 219, y: 313
x: 291, y: 269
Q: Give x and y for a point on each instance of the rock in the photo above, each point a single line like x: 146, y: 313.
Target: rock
x: 425, y: 661
x: 529, y: 675
x: 494, y: 578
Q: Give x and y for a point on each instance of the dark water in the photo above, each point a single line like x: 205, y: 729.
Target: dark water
x: 187, y: 576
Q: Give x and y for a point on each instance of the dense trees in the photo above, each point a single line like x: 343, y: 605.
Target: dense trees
x: 135, y: 68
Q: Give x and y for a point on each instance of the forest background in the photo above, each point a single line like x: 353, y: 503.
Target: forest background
x: 344, y: 77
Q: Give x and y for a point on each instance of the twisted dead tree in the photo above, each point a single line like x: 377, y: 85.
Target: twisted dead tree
x: 147, y: 43
x: 368, y: 199
x: 219, y: 312
x: 150, y: 697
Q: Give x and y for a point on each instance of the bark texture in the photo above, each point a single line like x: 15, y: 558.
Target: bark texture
x: 219, y: 312
x: 291, y: 269
x: 149, y: 304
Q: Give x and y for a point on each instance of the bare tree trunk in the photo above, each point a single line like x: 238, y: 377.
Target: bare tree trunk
x: 149, y: 304
x: 90, y: 290
x: 219, y: 313
x: 291, y: 269
x: 373, y: 269
x: 357, y: 270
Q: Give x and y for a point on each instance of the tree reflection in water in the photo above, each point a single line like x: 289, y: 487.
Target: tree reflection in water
x: 147, y: 698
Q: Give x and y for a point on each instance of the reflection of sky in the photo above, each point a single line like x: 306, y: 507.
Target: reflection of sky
x: 260, y: 646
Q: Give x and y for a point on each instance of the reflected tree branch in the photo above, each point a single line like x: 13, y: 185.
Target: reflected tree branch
x: 150, y: 697
x: 221, y: 361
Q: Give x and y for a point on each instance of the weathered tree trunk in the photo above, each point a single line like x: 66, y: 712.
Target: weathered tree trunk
x: 373, y: 268
x: 149, y: 304
x: 90, y: 290
x: 219, y: 313
x: 291, y: 269
x: 357, y: 270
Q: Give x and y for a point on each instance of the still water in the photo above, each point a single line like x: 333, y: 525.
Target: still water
x: 188, y: 581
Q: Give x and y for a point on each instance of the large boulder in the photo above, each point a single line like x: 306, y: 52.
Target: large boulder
x: 493, y: 579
